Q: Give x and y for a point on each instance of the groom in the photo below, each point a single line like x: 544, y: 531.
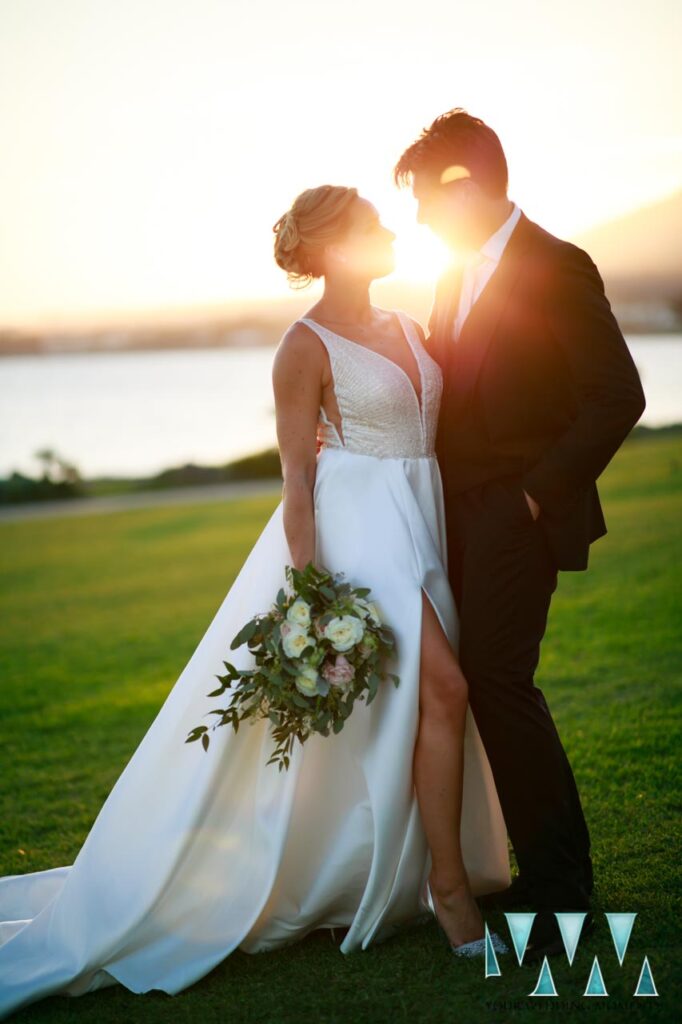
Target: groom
x: 539, y: 392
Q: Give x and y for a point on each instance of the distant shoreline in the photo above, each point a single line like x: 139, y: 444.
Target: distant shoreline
x: 118, y: 343
x: 262, y: 469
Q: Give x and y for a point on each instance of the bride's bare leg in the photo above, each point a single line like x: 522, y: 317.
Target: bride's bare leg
x: 438, y: 771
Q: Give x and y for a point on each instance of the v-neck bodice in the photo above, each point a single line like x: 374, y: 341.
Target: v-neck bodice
x: 381, y: 412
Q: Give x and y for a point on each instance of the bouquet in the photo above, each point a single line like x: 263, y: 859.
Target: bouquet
x: 317, y: 650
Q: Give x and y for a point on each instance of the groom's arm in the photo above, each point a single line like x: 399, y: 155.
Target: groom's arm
x: 605, y: 382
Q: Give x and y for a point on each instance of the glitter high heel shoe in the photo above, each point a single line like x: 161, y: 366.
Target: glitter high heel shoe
x: 474, y: 948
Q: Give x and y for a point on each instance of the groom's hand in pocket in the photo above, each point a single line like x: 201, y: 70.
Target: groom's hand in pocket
x: 532, y: 505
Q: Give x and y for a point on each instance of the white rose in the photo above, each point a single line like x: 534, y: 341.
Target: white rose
x: 299, y: 612
x: 306, y: 681
x: 295, y: 641
x: 344, y: 632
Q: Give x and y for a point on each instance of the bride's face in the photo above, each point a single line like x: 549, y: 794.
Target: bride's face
x: 366, y: 249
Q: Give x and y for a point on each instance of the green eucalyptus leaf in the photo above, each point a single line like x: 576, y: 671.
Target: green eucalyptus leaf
x: 245, y: 633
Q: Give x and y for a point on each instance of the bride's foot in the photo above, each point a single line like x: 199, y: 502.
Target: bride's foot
x: 457, y: 912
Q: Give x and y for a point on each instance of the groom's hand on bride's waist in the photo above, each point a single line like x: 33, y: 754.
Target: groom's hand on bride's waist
x: 532, y: 505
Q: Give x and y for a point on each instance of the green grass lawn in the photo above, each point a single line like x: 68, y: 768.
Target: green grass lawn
x: 99, y: 616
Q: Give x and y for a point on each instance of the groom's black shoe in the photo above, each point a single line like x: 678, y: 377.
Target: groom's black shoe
x: 545, y: 938
x: 515, y: 895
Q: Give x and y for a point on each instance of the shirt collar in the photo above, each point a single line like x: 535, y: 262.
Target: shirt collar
x: 493, y: 248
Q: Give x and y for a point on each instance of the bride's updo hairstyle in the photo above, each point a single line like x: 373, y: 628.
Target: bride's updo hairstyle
x: 317, y: 217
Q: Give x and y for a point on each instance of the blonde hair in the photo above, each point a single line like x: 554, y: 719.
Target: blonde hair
x: 316, y: 217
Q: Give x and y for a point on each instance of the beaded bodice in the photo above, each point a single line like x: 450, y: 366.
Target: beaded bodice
x: 381, y: 413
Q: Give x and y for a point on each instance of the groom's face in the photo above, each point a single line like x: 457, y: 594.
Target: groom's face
x: 448, y: 208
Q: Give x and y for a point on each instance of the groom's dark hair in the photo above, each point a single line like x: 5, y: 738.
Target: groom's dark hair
x: 457, y: 138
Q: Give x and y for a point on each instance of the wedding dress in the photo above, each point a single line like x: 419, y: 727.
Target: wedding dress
x: 196, y: 853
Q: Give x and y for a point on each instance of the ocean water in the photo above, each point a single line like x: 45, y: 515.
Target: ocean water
x: 135, y: 413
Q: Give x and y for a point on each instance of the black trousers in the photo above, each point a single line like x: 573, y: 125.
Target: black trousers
x: 503, y: 576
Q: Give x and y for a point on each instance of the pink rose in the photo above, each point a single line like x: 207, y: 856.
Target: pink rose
x: 340, y: 673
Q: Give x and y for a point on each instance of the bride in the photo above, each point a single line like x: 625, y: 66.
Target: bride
x: 196, y: 853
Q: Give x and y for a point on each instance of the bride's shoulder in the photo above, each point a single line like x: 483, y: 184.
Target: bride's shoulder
x: 297, y: 339
x: 299, y: 350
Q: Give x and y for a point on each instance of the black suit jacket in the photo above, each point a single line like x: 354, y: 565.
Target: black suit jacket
x: 540, y: 384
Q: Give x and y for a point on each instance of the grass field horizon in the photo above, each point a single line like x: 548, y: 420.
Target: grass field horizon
x: 100, y: 616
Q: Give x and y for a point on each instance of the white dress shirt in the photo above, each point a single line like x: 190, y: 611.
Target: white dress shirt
x: 480, y: 266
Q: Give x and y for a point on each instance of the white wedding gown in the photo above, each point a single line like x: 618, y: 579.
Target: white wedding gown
x: 196, y: 853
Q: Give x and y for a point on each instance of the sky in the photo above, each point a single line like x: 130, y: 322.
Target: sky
x: 149, y: 147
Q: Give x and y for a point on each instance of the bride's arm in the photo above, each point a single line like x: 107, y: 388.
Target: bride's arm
x: 297, y: 382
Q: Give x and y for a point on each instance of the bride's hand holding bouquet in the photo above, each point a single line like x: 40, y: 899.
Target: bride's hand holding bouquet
x: 320, y: 648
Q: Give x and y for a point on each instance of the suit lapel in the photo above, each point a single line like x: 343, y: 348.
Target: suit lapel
x: 443, y: 314
x: 469, y: 351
